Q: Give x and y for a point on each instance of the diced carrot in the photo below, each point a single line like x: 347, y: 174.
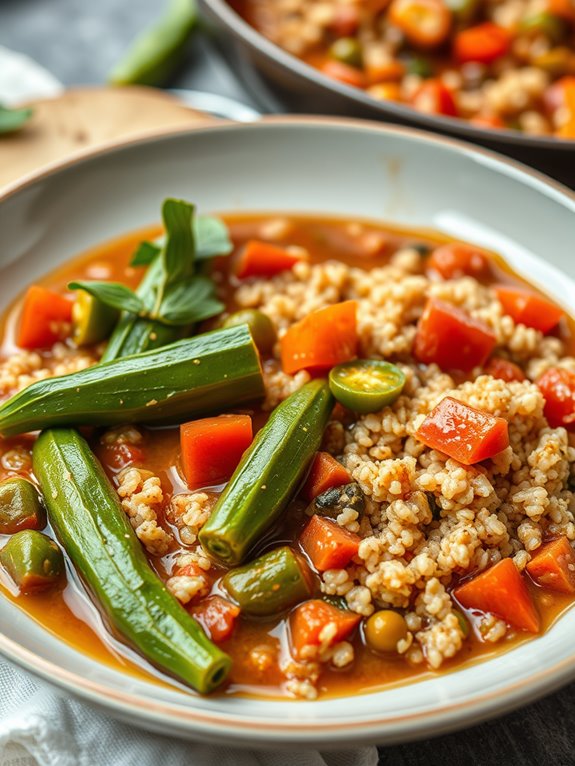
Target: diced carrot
x: 462, y: 432
x: 501, y: 591
x: 483, y: 43
x: 425, y: 23
x: 327, y: 545
x: 528, y: 308
x: 560, y: 95
x: 558, y: 389
x: 213, y: 447
x: 325, y: 472
x: 344, y: 73
x: 486, y: 120
x: 452, y: 339
x: 307, y: 621
x: 261, y: 259
x: 457, y: 260
x: 433, y: 97
x: 563, y: 8
x: 503, y: 369
x: 321, y: 340
x: 45, y: 318
x: 553, y: 566
x: 217, y: 616
x: 384, y: 72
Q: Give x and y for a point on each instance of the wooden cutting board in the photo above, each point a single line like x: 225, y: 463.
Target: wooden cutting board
x: 89, y: 117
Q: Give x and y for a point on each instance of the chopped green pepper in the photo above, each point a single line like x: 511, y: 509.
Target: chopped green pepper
x: 348, y: 51
x: 420, y: 66
x: 33, y: 561
x: 20, y: 506
x: 261, y: 327
x: 366, y: 385
x: 92, y: 320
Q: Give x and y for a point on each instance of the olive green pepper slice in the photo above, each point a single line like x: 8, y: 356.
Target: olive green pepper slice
x: 20, y: 506
x: 92, y: 320
x: 366, y: 385
x: 271, y: 584
x: 33, y: 561
x: 348, y: 51
x: 260, y: 325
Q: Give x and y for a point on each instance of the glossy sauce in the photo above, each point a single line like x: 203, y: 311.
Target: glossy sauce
x: 69, y: 614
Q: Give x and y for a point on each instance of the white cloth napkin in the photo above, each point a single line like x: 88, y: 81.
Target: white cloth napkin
x: 42, y: 727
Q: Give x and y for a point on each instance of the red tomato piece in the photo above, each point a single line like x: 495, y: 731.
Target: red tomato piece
x: 462, y: 432
x: 504, y: 369
x: 308, y: 620
x: 119, y: 455
x: 433, y: 97
x: 457, y: 260
x: 213, y: 447
x: 217, y: 616
x: 261, y: 259
x: 501, y: 591
x: 328, y: 545
x: 45, y: 318
x: 528, y: 308
x: 553, y: 566
x: 450, y: 338
x: 325, y: 472
x: 558, y: 388
x: 321, y: 340
x: 345, y: 20
x: 483, y: 43
x: 349, y: 75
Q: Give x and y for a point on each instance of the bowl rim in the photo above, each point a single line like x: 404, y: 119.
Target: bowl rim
x: 209, y: 725
x: 237, y: 26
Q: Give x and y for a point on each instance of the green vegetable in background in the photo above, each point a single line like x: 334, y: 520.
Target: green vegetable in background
x: 190, y: 378
x: 158, y: 51
x: 13, y: 119
x: 20, y: 506
x: 33, y: 561
x: 86, y: 515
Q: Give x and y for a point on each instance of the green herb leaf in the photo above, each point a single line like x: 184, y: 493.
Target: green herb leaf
x: 189, y: 301
x: 179, y: 250
x: 112, y: 294
x: 211, y: 237
x: 13, y: 119
x: 145, y: 254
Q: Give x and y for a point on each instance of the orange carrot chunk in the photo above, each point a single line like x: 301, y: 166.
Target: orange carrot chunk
x: 328, y: 545
x: 217, y: 616
x: 325, y: 472
x: 503, y: 369
x: 425, y: 23
x: 528, y: 308
x: 45, y: 318
x: 452, y: 339
x: 553, y: 566
x: 502, y: 591
x: 308, y: 620
x: 261, y: 259
x: 321, y: 340
x: 483, y: 43
x: 344, y: 73
x: 558, y: 388
x: 212, y: 448
x: 457, y: 260
x: 462, y: 432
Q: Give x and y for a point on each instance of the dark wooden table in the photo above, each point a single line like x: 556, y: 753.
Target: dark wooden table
x: 79, y: 41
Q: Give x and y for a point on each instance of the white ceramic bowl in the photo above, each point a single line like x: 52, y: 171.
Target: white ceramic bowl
x: 324, y: 166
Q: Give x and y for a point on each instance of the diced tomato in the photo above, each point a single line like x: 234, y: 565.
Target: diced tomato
x: 328, y: 545
x: 553, y: 566
x: 503, y: 369
x: 558, y: 388
x: 217, y: 616
x: 349, y: 75
x: 213, y: 447
x: 425, y: 23
x: 261, y: 259
x: 501, y: 591
x: 483, y: 43
x: 433, y: 97
x: 325, y: 472
x: 462, y: 432
x: 345, y: 20
x: 528, y: 308
x: 119, y: 455
x: 45, y: 318
x: 321, y: 340
x: 457, y: 260
x: 450, y: 338
x: 307, y: 621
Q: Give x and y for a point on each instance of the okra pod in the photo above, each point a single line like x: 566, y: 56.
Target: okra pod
x: 20, y: 506
x: 192, y: 377
x: 86, y: 515
x: 33, y: 561
x: 269, y: 474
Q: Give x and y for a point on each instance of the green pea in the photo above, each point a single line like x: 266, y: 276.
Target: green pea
x: 420, y: 66
x: 384, y: 629
x: 348, y: 51
x: 260, y: 325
